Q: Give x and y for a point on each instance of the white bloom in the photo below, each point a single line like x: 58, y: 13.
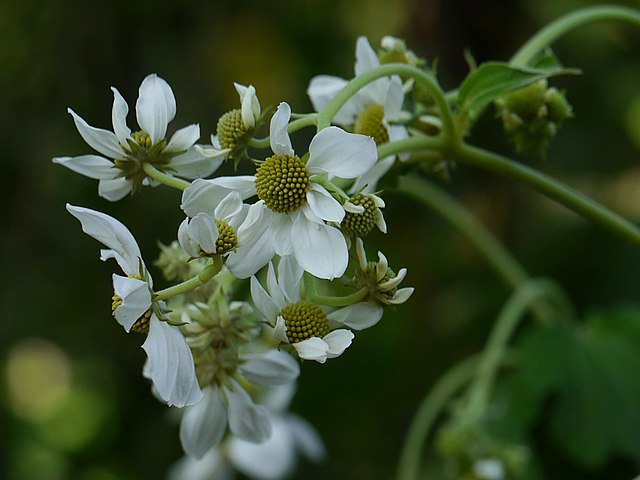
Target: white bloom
x: 273, y: 459
x: 375, y: 110
x: 302, y: 324
x: 119, y: 169
x: 296, y: 204
x: 489, y: 469
x: 204, y: 424
x: 169, y: 361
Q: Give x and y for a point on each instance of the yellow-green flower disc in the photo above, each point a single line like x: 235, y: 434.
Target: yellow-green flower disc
x: 282, y: 182
x: 304, y: 320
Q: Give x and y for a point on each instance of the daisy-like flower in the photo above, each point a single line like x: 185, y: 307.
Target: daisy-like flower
x: 274, y: 459
x: 232, y: 229
x: 297, y: 205
x: 169, y: 364
x: 363, y: 213
x: 204, y: 424
x: 312, y: 333
x: 120, y: 169
x: 381, y: 281
x: 236, y: 127
x: 372, y: 111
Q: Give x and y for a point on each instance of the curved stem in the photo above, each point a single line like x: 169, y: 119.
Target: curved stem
x: 341, y: 301
x: 505, y: 325
x: 295, y: 125
x: 412, y: 144
x: 449, y: 131
x: 168, y: 180
x: 568, y: 22
x: 204, y: 276
x: 573, y: 200
x: 434, y: 402
x: 445, y: 205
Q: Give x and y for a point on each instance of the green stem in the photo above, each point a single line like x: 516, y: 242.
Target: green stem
x: 412, y: 144
x: 434, y: 402
x: 355, y: 297
x: 204, y: 276
x: 505, y: 325
x: 568, y: 22
x: 169, y: 180
x: 575, y: 201
x: 297, y: 124
x: 445, y: 205
x: 449, y: 131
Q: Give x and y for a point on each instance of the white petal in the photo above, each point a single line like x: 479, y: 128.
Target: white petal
x: 91, y: 166
x: 119, y: 117
x: 199, y: 233
x: 205, y: 195
x: 114, y: 190
x: 358, y: 316
x: 401, y: 296
x: 170, y: 365
x: 184, y: 138
x: 289, y: 276
x: 250, y: 105
x: 252, y: 225
x: 345, y: 155
x: 111, y: 233
x: 136, y: 300
x: 319, y: 249
x: 352, y: 207
x: 280, y: 330
x: 380, y: 223
x: 255, y: 250
x: 338, y: 341
x: 272, y: 460
x: 395, y: 281
x: 394, y: 100
x: 230, y: 206
x: 367, y: 183
x: 156, y: 107
x: 247, y: 420
x: 203, y: 424
x: 263, y: 301
x: 99, y: 139
x: 280, y: 230
x: 306, y: 438
x: 193, y: 164
x: 271, y: 368
x: 323, y: 89
x: 275, y: 291
x: 280, y: 141
x: 366, y: 57
x: 313, y: 348
x: 324, y: 205
x: 212, y: 465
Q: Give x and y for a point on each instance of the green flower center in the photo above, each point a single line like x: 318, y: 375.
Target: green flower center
x: 282, y: 182
x: 304, y: 320
x: 231, y: 131
x: 369, y: 122
x: 227, y: 239
x: 141, y: 150
x: 360, y: 224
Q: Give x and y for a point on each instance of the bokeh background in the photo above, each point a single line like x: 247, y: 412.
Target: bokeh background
x: 73, y: 404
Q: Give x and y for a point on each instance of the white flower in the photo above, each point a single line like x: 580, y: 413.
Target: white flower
x: 169, y: 361
x: 155, y: 108
x: 302, y: 324
x: 296, y: 203
x: 373, y: 111
x: 489, y: 469
x: 273, y: 459
x: 204, y: 424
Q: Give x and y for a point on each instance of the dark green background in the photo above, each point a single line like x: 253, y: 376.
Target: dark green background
x: 55, y: 55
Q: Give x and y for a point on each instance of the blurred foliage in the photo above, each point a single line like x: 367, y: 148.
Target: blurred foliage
x: 73, y: 403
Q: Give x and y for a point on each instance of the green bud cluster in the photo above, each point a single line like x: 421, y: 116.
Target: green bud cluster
x: 174, y: 263
x: 369, y: 278
x: 531, y: 116
x: 227, y: 239
x: 304, y: 320
x: 370, y: 122
x: 360, y: 224
x: 282, y: 182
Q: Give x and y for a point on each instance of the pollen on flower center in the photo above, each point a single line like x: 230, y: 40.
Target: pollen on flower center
x: 142, y: 138
x: 230, y: 129
x: 304, y: 320
x: 369, y: 122
x: 227, y: 239
x: 142, y: 324
x: 282, y: 182
x: 360, y: 224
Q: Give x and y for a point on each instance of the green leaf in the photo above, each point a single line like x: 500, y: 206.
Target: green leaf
x: 493, y: 80
x: 591, y: 375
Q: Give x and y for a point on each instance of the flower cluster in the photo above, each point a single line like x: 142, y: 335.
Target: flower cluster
x: 287, y: 230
